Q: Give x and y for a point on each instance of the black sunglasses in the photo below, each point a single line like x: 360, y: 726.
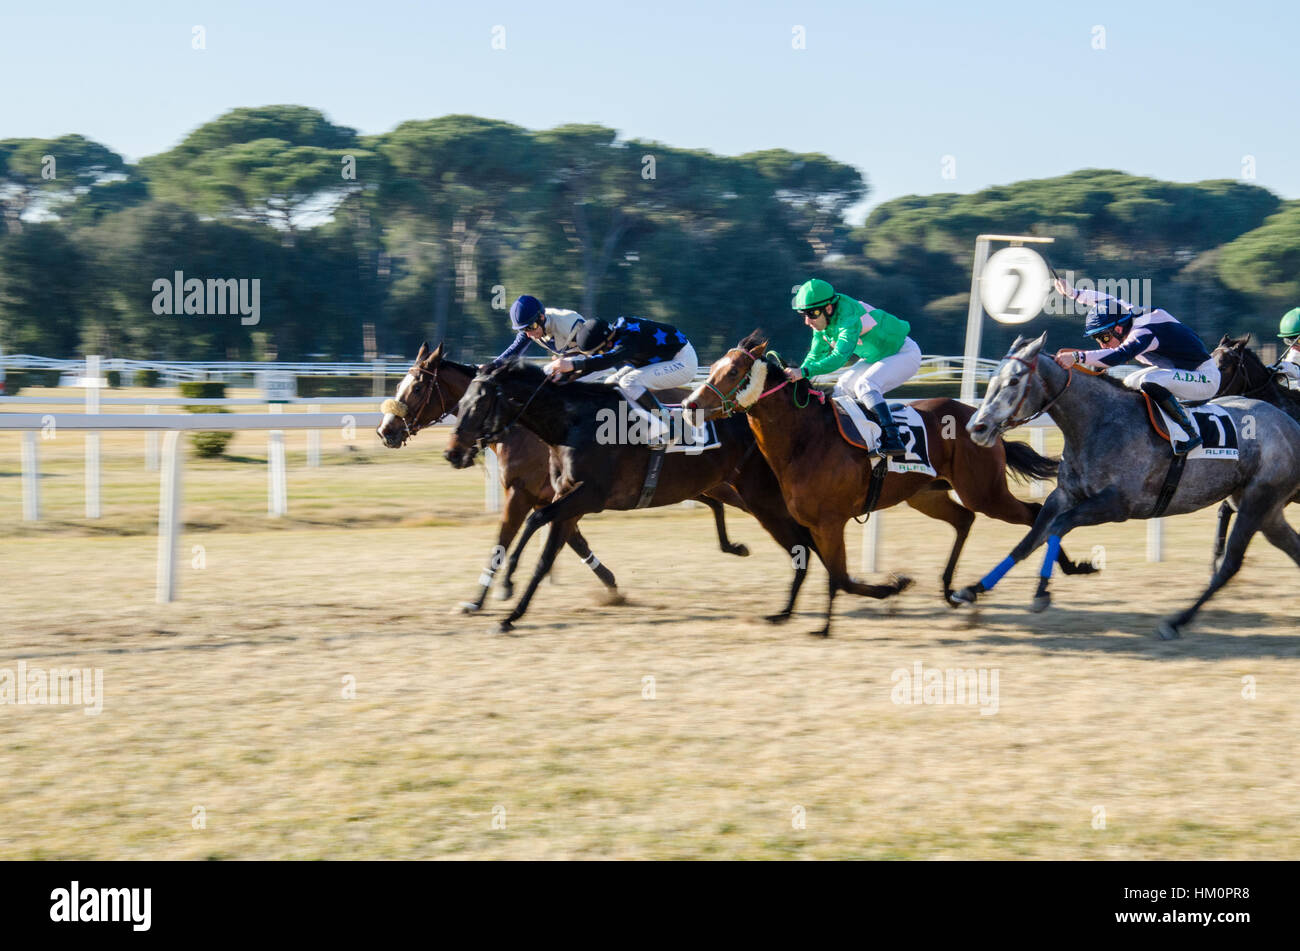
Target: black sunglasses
x: 815, y: 312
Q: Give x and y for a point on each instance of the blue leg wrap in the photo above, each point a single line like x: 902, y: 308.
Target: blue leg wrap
x: 1049, y: 559
x: 994, y: 576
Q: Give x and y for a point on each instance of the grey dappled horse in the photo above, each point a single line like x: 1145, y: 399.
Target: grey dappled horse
x: 1114, y: 465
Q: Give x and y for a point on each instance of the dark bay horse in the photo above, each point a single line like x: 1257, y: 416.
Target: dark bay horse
x: 592, y: 472
x: 1243, y: 373
x: 1114, y: 466
x: 825, y: 479
x: 432, y: 390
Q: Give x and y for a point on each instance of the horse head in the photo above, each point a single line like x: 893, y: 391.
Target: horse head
x: 422, y: 399
x: 1014, y: 394
x: 735, y: 382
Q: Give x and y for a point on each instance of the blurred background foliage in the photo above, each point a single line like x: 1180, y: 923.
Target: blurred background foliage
x: 430, y: 230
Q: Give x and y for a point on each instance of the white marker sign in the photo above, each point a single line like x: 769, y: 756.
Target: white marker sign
x: 1014, y: 285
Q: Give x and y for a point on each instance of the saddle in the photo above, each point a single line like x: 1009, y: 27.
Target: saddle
x: 1214, y: 424
x: 860, y: 427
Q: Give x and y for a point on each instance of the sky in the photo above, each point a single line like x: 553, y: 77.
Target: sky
x: 923, y: 97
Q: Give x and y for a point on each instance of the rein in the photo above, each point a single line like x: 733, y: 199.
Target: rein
x: 730, y: 406
x: 1012, y: 420
x: 494, y: 436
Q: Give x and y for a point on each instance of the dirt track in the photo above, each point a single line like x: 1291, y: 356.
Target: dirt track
x: 232, y: 699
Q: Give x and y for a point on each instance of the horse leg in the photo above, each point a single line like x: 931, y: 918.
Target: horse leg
x: 580, y: 547
x: 720, y: 520
x: 1248, y: 523
x: 1221, y: 535
x: 568, y: 508
x: 939, y: 504
x: 1056, y: 503
x: 830, y: 545
x: 1102, y: 507
x: 517, y: 505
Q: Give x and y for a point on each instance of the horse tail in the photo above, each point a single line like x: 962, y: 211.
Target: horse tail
x: 1025, y: 464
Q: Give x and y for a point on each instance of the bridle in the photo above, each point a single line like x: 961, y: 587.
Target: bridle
x: 729, y: 405
x: 1013, y: 421
x: 1248, y: 390
x: 499, y: 396
x: 403, y: 412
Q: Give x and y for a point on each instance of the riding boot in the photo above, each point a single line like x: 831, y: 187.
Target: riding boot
x: 891, y: 444
x: 650, y: 403
x: 1169, y: 403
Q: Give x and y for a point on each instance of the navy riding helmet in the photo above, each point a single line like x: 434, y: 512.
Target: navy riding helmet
x: 525, y: 312
x: 1104, y: 316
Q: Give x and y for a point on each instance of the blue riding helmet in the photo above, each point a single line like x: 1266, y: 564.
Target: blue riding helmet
x: 525, y: 312
x: 1103, y: 317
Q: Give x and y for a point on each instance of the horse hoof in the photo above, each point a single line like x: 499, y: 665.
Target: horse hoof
x: 901, y: 583
x: 950, y: 598
x: 613, y: 598
x: 466, y: 607
x: 1168, y: 631
x: 1040, y: 603
x: 740, y: 551
x: 505, y: 592
x: 503, y: 627
x: 824, y: 632
x: 777, y: 618
x: 964, y: 596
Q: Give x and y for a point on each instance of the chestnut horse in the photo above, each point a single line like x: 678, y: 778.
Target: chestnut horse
x: 825, y: 480
x: 432, y: 390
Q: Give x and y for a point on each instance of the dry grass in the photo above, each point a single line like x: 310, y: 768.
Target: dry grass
x: 232, y: 699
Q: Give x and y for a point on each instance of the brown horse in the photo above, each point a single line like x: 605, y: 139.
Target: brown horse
x: 432, y: 390
x: 825, y: 480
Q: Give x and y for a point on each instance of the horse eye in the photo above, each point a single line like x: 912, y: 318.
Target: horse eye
x: 1015, y: 381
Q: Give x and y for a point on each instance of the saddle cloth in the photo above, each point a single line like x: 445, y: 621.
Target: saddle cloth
x: 693, y: 440
x: 1216, y: 426
x: 859, y: 427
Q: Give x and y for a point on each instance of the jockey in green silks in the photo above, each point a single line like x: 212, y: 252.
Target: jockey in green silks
x: 842, y: 327
x: 1289, y: 332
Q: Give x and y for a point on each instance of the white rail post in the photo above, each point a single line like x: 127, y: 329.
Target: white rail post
x: 169, y: 515
x: 92, y: 438
x: 277, y: 499
x: 1155, y: 539
x: 151, y: 444
x: 313, y: 442
x: 492, y: 490
x: 871, y: 542
x: 1038, y: 441
x: 974, y: 321
x: 31, y: 478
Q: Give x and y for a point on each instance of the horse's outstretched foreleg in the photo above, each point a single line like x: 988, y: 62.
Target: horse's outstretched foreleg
x: 518, y: 504
x: 567, y: 509
x: 830, y: 545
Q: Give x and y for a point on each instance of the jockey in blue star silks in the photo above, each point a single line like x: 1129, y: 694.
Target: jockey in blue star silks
x: 644, y: 354
x: 1178, y: 364
x: 552, y: 328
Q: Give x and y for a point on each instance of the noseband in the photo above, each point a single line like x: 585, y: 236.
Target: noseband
x: 729, y: 404
x: 403, y: 412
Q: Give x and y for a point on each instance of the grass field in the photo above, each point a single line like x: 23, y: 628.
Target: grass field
x: 757, y: 741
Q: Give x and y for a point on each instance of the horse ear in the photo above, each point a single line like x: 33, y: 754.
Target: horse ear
x: 436, y: 355
x: 424, y: 351
x: 755, y: 343
x: 1029, y: 348
x: 1226, y: 341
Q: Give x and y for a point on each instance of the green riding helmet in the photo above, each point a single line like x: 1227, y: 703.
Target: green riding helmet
x: 1290, y: 326
x: 813, y: 293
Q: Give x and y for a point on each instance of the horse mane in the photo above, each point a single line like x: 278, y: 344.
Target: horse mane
x: 530, y: 374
